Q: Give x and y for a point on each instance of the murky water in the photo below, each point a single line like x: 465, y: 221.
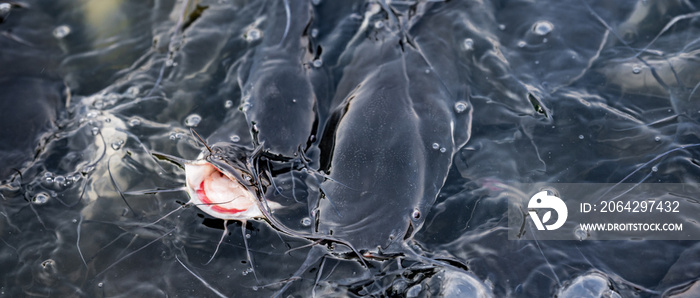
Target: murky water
x: 476, y: 94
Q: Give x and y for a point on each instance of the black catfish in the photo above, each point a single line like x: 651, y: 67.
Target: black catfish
x: 384, y: 153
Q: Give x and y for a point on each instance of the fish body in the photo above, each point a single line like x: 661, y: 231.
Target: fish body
x: 384, y: 151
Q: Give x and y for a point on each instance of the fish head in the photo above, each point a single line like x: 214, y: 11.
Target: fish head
x: 222, y: 183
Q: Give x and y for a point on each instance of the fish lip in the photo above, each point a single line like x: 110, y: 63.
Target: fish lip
x: 196, y: 172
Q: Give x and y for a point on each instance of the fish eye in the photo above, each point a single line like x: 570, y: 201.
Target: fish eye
x: 246, y: 179
x: 415, y: 214
x: 214, y: 156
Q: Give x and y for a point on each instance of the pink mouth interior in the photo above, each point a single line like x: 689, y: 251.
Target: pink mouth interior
x: 216, y: 193
x: 202, y: 194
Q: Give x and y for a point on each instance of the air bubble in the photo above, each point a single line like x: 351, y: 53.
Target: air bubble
x: 247, y: 271
x: 228, y: 104
x: 468, y: 44
x: 133, y: 91
x: 235, y: 138
x: 521, y: 44
x: 314, y: 32
x: 580, y: 234
x: 654, y: 169
x: 460, y: 106
x: 657, y: 138
x: 247, y: 236
x: 378, y: 24
x: 175, y: 135
x: 61, y: 31
x: 443, y: 150
x: 318, y: 63
x: 134, y: 122
x: 436, y: 146
x: 501, y: 27
x: 306, y: 222
x: 60, y: 180
x: 48, y: 264
x: 542, y: 28
x: 636, y: 69
x: 193, y: 120
x: 117, y: 144
x: 580, y: 137
x: 99, y: 285
x: 40, y: 198
x: 253, y: 34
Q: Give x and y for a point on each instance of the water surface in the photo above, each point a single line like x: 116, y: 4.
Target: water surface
x: 513, y: 91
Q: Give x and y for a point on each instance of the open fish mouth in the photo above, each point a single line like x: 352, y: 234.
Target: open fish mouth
x: 218, y: 194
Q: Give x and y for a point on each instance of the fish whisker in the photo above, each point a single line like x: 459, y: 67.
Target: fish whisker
x: 220, y: 241
x: 200, y: 279
x: 119, y: 190
x: 200, y: 139
x: 134, y: 252
x: 77, y: 241
x: 154, y: 191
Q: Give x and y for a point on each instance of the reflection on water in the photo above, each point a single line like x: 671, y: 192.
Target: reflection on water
x: 558, y: 92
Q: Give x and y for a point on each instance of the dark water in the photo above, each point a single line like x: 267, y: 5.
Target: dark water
x: 513, y: 91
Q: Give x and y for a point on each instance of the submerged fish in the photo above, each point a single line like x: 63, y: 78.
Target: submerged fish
x: 333, y: 125
x: 360, y: 166
x: 279, y: 106
x: 385, y: 149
